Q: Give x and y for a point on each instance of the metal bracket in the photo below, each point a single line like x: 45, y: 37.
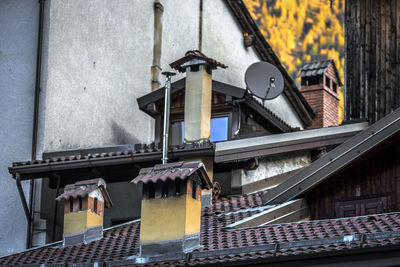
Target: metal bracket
x: 23, y: 199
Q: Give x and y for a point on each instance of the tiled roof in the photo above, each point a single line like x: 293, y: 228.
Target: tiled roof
x: 84, y: 188
x: 318, y: 68
x: 221, y: 245
x: 175, y: 170
x: 195, y: 54
x: 259, y: 102
x: 118, y: 155
x: 315, y: 68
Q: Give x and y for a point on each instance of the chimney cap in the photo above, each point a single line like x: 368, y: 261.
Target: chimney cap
x: 319, y: 67
x: 84, y: 188
x: 195, y: 57
x: 173, y: 171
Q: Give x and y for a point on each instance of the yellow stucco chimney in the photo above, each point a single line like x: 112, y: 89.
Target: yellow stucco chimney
x: 198, y: 93
x: 197, y: 113
x: 84, y: 204
x: 171, y: 207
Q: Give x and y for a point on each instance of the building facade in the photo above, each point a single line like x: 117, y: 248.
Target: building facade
x: 96, y: 58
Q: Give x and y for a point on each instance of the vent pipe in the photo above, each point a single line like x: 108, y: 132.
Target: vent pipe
x: 166, y: 113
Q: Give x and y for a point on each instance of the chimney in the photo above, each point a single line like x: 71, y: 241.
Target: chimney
x: 198, y: 92
x: 197, y: 114
x: 84, y: 204
x: 171, y: 207
x: 320, y: 83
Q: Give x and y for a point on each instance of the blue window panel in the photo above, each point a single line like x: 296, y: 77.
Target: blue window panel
x: 219, y: 129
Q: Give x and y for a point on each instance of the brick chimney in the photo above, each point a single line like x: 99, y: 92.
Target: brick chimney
x: 171, y: 207
x: 84, y: 204
x: 320, y: 83
x: 197, y: 113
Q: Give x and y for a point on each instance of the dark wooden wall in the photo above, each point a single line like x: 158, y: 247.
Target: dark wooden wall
x: 374, y: 178
x: 372, y: 58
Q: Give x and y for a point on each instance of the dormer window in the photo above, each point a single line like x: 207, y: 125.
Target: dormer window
x: 218, y: 131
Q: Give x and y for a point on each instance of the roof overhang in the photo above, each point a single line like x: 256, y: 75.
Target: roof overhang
x: 147, y: 100
x: 112, y: 165
x: 286, y: 142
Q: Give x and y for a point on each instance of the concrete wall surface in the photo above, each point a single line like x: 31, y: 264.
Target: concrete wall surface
x: 18, y: 42
x: 271, y: 166
x: 99, y: 58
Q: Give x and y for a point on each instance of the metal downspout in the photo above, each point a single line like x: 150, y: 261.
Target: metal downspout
x: 155, y: 67
x: 35, y: 122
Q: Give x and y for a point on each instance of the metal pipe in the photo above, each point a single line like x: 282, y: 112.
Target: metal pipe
x: 53, y: 234
x: 155, y: 67
x: 35, y: 119
x: 166, y: 114
x: 22, y: 197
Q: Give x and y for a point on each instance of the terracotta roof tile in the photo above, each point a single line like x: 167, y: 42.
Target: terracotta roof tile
x: 84, y: 188
x: 228, y: 245
x: 195, y: 54
x: 172, y: 171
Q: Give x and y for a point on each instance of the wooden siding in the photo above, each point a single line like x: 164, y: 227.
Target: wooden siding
x: 374, y: 177
x: 372, y: 58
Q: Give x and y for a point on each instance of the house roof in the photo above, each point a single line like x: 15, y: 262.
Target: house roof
x: 264, y: 50
x: 172, y: 171
x: 340, y: 157
x: 176, y: 86
x: 319, y: 67
x: 286, y: 142
x: 240, y: 94
x: 220, y: 245
x: 70, y: 163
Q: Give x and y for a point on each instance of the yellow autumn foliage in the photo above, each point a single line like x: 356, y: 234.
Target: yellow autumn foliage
x: 300, y: 31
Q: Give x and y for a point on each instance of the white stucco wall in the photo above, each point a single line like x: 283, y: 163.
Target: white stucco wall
x: 180, y: 31
x: 271, y: 166
x: 99, y: 58
x: 18, y: 41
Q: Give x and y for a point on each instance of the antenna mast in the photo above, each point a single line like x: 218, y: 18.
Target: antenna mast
x: 167, y: 87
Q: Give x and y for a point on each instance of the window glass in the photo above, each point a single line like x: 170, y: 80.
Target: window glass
x: 219, y: 129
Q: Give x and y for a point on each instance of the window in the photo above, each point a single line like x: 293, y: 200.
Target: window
x: 334, y: 87
x: 194, y: 187
x: 312, y: 80
x: 360, y: 207
x: 327, y: 82
x: 80, y: 203
x: 218, y: 131
x: 95, y: 205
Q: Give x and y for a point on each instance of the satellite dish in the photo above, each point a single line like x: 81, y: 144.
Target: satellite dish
x: 264, y: 80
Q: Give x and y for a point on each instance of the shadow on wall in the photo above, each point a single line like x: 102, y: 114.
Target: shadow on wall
x: 120, y: 136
